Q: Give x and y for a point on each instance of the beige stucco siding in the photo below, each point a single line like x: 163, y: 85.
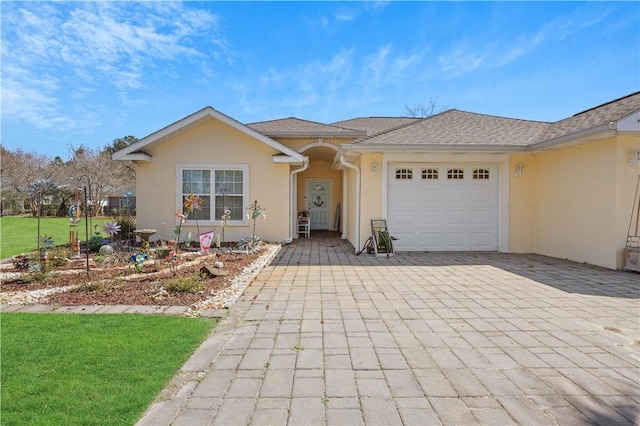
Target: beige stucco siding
x: 522, y: 202
x: 371, y: 189
x: 574, y: 203
x: 351, y: 206
x: 213, y: 143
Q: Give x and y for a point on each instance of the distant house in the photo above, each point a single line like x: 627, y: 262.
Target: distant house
x: 455, y: 181
x: 120, y: 203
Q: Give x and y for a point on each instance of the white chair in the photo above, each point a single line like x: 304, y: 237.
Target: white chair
x: 304, y: 226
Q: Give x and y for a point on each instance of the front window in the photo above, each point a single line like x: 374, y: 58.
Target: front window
x: 196, y: 186
x: 229, y: 193
x: 215, y: 188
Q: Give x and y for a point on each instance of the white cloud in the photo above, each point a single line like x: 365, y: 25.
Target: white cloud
x: 93, y: 44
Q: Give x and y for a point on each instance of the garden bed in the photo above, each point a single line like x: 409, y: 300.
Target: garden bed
x: 113, y: 280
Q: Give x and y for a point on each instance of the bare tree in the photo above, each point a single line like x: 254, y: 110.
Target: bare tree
x: 20, y: 170
x: 424, y: 111
x: 96, y: 171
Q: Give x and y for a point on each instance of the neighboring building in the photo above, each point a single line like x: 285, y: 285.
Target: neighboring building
x: 455, y: 181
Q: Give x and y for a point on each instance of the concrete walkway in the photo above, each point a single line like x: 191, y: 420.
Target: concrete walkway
x: 326, y: 337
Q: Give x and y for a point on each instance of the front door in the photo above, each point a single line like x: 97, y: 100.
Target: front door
x: 318, y: 203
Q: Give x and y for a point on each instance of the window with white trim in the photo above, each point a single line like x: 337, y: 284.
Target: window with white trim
x: 229, y: 186
x: 455, y: 174
x: 197, y: 182
x: 481, y: 174
x: 404, y: 174
x: 220, y: 187
x: 430, y: 174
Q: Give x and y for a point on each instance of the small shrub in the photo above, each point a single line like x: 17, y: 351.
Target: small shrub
x: 38, y: 273
x: 59, y: 256
x: 127, y: 226
x: 93, y: 287
x: 96, y: 242
x: 183, y: 285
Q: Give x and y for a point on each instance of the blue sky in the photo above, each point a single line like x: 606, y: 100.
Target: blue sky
x: 90, y: 72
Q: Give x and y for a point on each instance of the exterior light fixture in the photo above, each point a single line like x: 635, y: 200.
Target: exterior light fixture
x: 636, y: 159
x: 374, y: 168
x: 519, y: 169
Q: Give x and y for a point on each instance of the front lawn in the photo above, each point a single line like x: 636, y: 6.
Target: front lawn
x: 90, y: 369
x: 20, y: 234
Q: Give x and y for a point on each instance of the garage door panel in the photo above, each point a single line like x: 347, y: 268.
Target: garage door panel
x: 481, y: 217
x: 482, y: 240
x: 455, y: 241
x: 443, y: 214
x: 455, y: 217
x: 427, y: 195
x: 482, y: 195
x: 454, y: 194
x: 403, y: 217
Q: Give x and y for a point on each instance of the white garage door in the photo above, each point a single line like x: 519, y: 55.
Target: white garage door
x: 443, y: 207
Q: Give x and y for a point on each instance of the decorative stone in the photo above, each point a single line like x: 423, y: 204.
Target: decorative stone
x: 106, y: 250
x: 211, y: 272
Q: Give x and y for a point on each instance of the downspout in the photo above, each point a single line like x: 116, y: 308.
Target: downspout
x: 293, y: 185
x: 357, y: 230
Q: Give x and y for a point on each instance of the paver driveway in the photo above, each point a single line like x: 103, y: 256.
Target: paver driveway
x: 326, y: 337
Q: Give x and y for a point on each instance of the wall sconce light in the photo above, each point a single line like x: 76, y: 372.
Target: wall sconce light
x: 519, y: 169
x: 374, y: 168
x: 636, y: 159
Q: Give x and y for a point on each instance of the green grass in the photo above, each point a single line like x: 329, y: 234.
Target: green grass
x: 20, y: 234
x: 64, y: 369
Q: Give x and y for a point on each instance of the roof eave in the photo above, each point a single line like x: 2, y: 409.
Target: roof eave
x: 283, y: 158
x: 602, y: 131
x: 194, y: 119
x: 134, y: 156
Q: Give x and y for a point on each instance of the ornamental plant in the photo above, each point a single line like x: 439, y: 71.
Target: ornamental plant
x: 181, y: 218
x: 173, y: 261
x: 193, y: 204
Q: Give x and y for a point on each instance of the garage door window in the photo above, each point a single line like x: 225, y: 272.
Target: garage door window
x: 480, y: 174
x: 404, y: 174
x: 455, y: 174
x: 429, y: 174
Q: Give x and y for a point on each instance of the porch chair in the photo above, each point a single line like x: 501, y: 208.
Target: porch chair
x: 304, y: 226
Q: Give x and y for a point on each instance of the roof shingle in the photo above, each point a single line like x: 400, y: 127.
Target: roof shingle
x: 297, y: 127
x: 454, y: 127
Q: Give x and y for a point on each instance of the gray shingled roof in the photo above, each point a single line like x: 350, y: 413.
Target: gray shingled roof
x: 296, y: 127
x: 594, y: 117
x: 462, y: 128
x: 453, y: 127
x: 374, y: 125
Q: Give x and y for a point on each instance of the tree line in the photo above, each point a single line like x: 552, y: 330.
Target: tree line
x: 30, y: 181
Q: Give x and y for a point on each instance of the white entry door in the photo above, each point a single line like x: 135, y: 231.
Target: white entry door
x: 318, y: 203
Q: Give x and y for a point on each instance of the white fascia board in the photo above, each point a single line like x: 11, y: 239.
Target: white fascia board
x: 194, y: 118
x: 281, y: 158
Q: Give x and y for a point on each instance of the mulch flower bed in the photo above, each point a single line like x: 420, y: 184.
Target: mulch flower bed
x: 112, y: 281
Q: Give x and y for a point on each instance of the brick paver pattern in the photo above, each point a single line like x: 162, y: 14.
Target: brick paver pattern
x: 323, y: 336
